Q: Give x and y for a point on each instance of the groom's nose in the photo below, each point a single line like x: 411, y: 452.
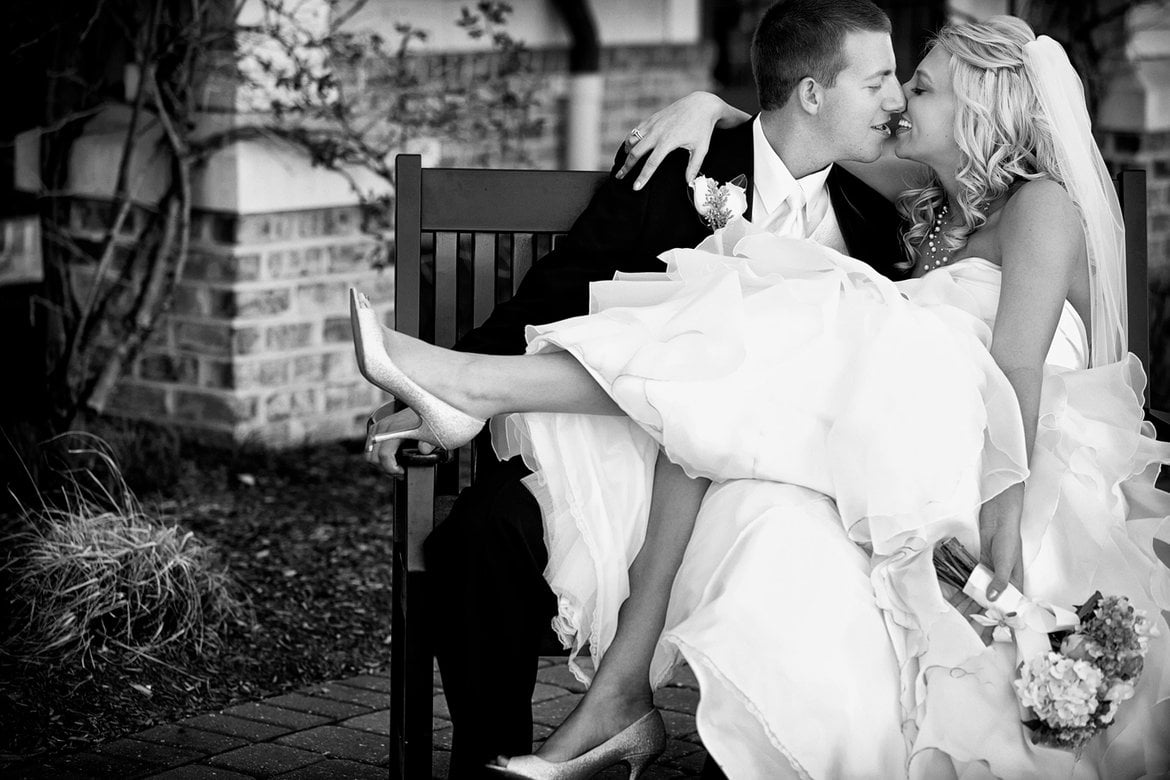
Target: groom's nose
x: 894, y: 100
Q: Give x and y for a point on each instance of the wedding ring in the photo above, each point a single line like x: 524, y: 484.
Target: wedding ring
x: 636, y: 134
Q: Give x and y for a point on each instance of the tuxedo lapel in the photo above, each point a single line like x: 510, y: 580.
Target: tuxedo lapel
x: 869, y: 223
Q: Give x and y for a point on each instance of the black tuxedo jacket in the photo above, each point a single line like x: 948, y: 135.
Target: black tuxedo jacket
x: 624, y: 230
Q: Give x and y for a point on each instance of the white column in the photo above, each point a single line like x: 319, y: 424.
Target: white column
x: 583, y: 122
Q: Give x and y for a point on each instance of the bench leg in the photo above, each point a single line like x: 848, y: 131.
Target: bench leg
x: 411, y: 690
x: 411, y: 658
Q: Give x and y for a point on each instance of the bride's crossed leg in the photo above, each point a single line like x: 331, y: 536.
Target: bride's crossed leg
x: 620, y: 692
x: 453, y: 385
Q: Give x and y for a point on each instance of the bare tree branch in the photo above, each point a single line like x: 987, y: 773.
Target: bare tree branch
x: 166, y: 266
x: 340, y: 20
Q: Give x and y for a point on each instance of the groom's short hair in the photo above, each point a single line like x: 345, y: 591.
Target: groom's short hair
x: 799, y: 38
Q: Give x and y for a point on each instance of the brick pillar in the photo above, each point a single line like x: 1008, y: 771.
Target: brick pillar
x: 258, y: 342
x: 257, y: 345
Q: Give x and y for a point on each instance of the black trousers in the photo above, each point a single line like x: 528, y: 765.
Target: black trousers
x: 490, y: 615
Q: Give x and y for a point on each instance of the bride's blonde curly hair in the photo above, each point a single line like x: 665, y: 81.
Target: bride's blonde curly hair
x: 998, y: 129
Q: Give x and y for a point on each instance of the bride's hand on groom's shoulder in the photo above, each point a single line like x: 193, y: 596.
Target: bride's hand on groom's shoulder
x: 999, y: 539
x: 686, y: 123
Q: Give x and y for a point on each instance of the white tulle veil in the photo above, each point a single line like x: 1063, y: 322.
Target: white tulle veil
x: 1086, y: 179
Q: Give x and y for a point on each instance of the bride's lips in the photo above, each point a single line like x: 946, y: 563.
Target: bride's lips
x: 903, y: 125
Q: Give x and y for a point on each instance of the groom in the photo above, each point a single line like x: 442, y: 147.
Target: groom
x: 825, y: 77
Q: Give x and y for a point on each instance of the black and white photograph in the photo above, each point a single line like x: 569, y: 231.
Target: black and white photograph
x: 559, y: 389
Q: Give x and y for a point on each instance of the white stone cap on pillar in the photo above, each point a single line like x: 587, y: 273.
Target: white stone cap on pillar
x: 245, y: 177
x: 97, y: 154
x: 266, y: 174
x: 1138, y: 98
x: 258, y: 176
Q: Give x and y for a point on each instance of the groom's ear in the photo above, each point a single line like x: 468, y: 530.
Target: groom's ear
x: 809, y: 95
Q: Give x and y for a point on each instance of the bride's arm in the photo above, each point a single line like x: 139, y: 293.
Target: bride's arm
x: 1042, y: 245
x: 686, y: 123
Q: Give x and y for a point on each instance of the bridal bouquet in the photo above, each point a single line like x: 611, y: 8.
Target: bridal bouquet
x: 1072, y: 687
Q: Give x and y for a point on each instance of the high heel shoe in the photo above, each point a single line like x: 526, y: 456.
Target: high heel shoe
x: 439, y: 423
x: 637, y: 746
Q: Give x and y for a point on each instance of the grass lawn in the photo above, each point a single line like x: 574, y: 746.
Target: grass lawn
x: 306, y: 536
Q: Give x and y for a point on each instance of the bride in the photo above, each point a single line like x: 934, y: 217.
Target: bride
x: 745, y: 462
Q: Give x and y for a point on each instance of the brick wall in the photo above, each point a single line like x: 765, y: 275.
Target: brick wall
x: 638, y: 80
x: 257, y: 344
x: 1151, y: 151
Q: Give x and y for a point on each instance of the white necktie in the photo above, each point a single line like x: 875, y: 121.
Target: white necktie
x: 790, y: 218
x: 799, y: 207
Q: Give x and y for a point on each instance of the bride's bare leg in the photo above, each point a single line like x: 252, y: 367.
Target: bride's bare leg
x: 620, y: 692
x: 486, y: 385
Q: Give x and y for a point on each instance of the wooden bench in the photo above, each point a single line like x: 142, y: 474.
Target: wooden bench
x: 464, y: 240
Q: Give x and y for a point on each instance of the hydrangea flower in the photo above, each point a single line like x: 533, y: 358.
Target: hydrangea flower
x: 1123, y: 635
x: 1060, y: 690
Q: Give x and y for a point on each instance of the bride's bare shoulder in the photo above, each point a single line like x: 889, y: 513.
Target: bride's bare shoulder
x: 1041, y: 218
x: 1041, y: 204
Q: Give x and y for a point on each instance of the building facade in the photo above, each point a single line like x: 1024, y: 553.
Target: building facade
x: 257, y: 344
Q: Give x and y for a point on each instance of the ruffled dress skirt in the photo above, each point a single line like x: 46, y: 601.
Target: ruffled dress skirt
x: 847, y: 424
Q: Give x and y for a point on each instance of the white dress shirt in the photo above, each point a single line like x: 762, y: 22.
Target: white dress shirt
x: 775, y: 191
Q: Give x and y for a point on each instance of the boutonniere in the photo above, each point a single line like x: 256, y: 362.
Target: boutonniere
x: 717, y: 203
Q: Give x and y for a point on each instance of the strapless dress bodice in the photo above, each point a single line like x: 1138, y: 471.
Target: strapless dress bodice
x: 973, y: 284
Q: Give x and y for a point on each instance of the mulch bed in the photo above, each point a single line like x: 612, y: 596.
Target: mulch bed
x: 305, y: 534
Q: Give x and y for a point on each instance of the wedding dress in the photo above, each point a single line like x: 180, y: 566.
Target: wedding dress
x: 847, y: 423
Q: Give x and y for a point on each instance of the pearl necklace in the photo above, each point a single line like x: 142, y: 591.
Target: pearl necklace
x: 932, y: 260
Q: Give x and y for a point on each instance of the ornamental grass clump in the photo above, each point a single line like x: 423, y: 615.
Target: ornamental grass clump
x: 95, y: 576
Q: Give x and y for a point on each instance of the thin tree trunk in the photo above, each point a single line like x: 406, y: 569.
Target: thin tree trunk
x: 165, y: 270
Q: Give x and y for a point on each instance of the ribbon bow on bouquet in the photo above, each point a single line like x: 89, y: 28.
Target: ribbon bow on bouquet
x: 1075, y: 668
x: 1015, y: 615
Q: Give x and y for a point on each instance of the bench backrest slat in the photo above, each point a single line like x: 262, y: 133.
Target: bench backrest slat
x: 484, y: 277
x: 1131, y: 191
x: 491, y: 201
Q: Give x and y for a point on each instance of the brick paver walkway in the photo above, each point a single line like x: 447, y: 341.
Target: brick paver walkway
x: 337, y: 730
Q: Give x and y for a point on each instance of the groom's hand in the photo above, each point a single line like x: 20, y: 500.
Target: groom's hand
x: 384, y: 454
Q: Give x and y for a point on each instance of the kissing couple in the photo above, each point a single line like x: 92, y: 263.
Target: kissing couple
x: 734, y: 423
